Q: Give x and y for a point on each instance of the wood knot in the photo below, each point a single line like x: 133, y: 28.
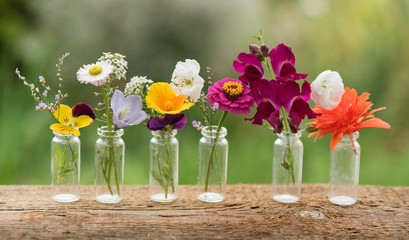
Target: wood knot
x: 311, y: 214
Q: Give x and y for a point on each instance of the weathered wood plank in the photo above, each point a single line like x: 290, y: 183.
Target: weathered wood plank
x: 247, y: 213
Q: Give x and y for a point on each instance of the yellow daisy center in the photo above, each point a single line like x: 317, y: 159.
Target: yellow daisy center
x: 232, y: 90
x: 95, y: 70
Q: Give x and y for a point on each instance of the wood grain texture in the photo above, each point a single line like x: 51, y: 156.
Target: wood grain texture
x: 27, y: 212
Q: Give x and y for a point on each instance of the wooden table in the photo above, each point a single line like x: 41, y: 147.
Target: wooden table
x: 247, y: 213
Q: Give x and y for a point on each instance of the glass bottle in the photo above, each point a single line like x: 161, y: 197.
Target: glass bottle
x: 287, y: 167
x: 65, y: 167
x: 213, y: 155
x: 109, y: 165
x: 163, y: 171
x: 344, y: 171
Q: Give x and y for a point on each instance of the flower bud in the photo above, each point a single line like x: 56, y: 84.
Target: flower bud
x: 264, y: 48
x: 254, y: 49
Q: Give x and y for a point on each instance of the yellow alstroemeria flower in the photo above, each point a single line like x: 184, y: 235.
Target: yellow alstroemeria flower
x: 67, y: 123
x: 163, y: 99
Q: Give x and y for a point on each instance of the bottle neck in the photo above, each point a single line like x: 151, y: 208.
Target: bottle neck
x: 64, y: 136
x: 347, y: 138
x: 163, y: 134
x: 105, y: 133
x: 289, y: 135
x: 212, y: 133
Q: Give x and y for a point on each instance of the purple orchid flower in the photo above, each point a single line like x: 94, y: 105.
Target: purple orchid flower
x: 127, y: 111
x: 282, y: 61
x: 83, y: 109
x: 170, y: 121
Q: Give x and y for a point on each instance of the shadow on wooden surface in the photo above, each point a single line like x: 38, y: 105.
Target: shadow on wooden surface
x: 247, y: 213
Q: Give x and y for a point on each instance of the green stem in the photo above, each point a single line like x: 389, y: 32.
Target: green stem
x: 214, y: 146
x: 111, y: 155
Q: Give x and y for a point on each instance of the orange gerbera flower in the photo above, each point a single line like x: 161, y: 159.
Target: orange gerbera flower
x: 347, y: 118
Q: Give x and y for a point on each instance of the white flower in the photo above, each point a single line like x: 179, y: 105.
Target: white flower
x: 186, y: 80
x: 118, y: 61
x: 327, y: 89
x: 95, y: 74
x: 137, y: 85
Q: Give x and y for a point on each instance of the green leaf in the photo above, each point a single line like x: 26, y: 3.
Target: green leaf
x: 311, y: 129
x: 59, y: 157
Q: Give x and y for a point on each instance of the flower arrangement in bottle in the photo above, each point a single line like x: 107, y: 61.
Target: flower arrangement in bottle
x: 65, y: 146
x: 341, y: 112
x: 119, y: 111
x: 226, y: 95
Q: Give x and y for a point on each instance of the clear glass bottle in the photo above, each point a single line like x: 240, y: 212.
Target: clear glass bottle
x: 287, y: 167
x: 109, y: 165
x: 344, y: 171
x: 65, y: 167
x: 213, y: 155
x: 163, y: 171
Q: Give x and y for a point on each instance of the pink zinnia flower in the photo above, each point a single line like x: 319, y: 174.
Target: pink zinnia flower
x: 231, y: 95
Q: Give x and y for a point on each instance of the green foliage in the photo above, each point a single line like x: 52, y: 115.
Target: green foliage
x: 365, y: 41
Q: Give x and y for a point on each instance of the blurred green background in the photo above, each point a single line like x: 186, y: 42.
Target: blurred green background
x: 365, y: 41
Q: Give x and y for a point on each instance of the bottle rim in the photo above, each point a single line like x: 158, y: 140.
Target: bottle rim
x: 290, y: 134
x: 104, y: 132
x: 212, y: 131
x: 164, y: 133
x: 64, y: 135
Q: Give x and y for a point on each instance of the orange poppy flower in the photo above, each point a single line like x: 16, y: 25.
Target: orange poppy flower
x: 347, y: 118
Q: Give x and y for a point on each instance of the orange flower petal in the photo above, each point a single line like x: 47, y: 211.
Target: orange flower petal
x: 352, y: 114
x: 376, y: 123
x: 335, y: 139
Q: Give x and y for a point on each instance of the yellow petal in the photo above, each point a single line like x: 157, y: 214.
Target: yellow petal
x: 82, y: 121
x: 64, y: 129
x: 163, y: 99
x: 63, y: 114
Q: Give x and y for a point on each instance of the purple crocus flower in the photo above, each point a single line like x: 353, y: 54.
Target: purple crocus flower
x: 83, y: 109
x: 127, y: 111
x: 282, y: 61
x: 170, y: 121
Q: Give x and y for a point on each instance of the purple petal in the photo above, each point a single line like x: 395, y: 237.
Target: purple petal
x: 180, y: 122
x: 305, y: 91
x: 287, y: 93
x: 127, y: 111
x: 266, y: 111
x: 279, y: 56
x: 176, y: 121
x: 83, y: 109
x: 119, y: 123
x: 117, y: 99
x: 238, y: 66
x: 250, y: 59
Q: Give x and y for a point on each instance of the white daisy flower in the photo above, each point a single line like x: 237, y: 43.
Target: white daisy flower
x: 118, y: 61
x: 96, y: 74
